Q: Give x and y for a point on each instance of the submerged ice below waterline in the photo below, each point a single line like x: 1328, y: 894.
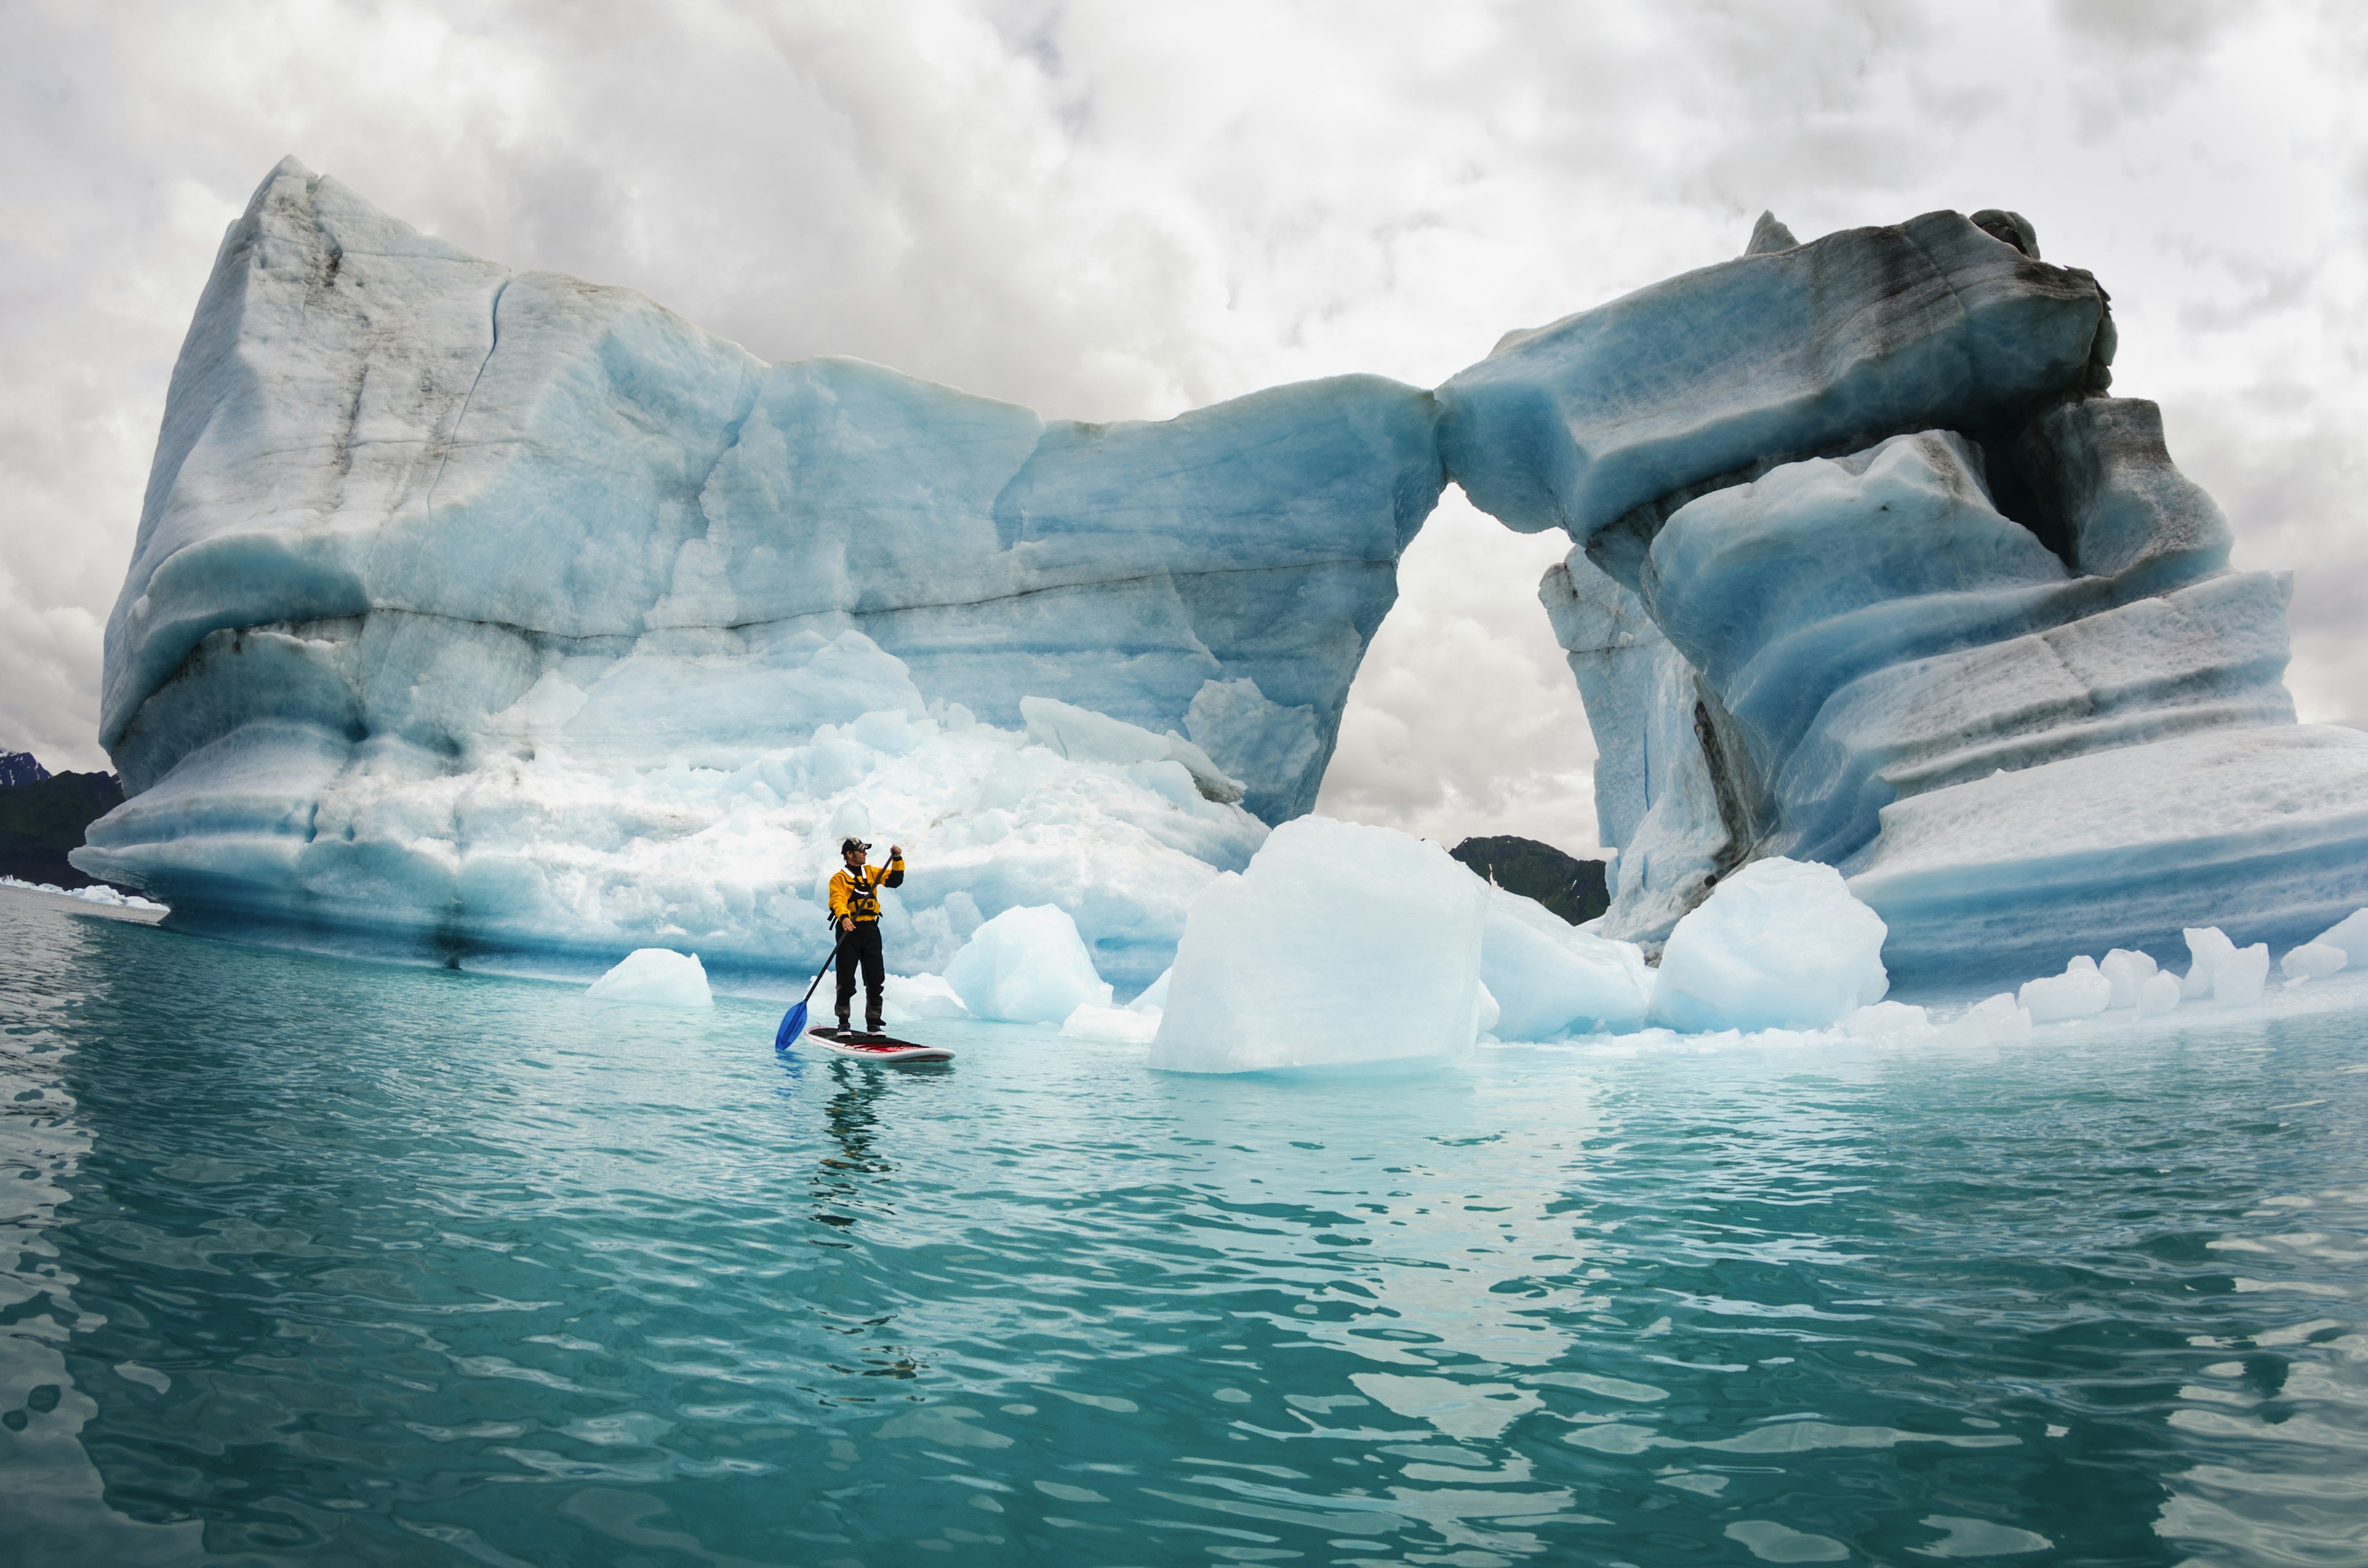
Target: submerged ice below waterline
x: 366, y: 1263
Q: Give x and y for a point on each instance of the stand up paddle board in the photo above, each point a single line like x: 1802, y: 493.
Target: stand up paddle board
x: 876, y: 1046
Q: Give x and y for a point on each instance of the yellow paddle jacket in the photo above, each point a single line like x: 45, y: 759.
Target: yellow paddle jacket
x: 852, y: 893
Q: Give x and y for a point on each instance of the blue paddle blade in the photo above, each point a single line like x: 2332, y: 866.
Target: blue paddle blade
x: 793, y: 1024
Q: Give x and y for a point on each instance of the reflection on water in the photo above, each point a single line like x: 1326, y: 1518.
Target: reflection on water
x: 322, y: 1262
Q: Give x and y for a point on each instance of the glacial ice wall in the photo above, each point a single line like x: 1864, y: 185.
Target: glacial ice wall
x: 1914, y: 598
x: 484, y: 609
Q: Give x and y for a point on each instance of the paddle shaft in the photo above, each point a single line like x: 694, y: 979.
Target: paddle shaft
x: 825, y: 966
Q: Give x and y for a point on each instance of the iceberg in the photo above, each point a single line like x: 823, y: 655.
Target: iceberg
x: 1027, y: 965
x: 493, y: 617
x: 1778, y: 945
x: 476, y: 614
x: 1340, y: 948
x: 1870, y: 572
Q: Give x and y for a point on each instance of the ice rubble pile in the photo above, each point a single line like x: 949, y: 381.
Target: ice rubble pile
x: 1869, y: 572
x: 476, y: 614
x: 1345, y: 948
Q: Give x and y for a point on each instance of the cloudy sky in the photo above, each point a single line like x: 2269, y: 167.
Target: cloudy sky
x: 1126, y: 211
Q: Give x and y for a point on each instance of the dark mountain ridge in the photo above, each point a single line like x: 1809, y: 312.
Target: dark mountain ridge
x: 43, y: 814
x: 1575, y: 888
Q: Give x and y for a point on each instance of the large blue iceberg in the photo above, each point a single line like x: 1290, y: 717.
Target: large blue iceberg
x: 476, y: 613
x: 482, y: 617
x: 1972, y: 638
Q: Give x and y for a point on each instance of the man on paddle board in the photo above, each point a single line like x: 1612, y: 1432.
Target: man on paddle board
x: 855, y: 907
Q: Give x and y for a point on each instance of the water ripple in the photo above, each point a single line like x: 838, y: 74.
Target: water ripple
x: 317, y: 1262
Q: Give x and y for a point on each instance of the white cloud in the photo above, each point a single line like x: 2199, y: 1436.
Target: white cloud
x: 1115, y: 210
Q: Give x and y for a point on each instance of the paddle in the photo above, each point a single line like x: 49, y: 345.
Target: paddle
x: 793, y: 1022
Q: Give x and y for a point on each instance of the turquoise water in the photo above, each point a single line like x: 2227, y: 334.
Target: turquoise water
x: 324, y: 1261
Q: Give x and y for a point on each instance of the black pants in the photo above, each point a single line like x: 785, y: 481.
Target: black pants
x: 863, y: 944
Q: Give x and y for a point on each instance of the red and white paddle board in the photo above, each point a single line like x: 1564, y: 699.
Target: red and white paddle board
x: 876, y: 1046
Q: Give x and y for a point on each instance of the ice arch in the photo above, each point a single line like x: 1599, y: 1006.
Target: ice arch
x: 1871, y: 571
x: 476, y: 612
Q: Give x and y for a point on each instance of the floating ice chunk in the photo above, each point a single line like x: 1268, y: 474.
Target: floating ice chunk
x: 1155, y: 995
x: 1117, y: 1026
x: 2239, y: 979
x: 1342, y: 946
x: 2314, y: 961
x: 1027, y: 966
x: 2080, y: 992
x: 2158, y: 995
x: 910, y: 998
x: 1549, y: 977
x: 2127, y: 971
x: 658, y: 976
x: 2350, y: 933
x: 2207, y: 948
x: 1780, y: 944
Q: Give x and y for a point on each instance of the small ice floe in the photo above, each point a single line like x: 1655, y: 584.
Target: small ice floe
x: 910, y: 998
x: 2228, y: 975
x: 2080, y: 992
x: 2127, y: 971
x: 2314, y: 961
x: 657, y: 976
x: 1027, y: 965
x: 1781, y: 945
x: 1341, y: 948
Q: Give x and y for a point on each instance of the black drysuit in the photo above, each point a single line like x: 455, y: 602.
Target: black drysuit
x: 854, y: 896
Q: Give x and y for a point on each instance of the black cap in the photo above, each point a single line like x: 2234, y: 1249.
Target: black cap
x: 851, y: 842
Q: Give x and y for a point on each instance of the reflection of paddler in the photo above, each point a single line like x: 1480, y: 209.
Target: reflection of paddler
x: 853, y: 1121
x: 855, y: 909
